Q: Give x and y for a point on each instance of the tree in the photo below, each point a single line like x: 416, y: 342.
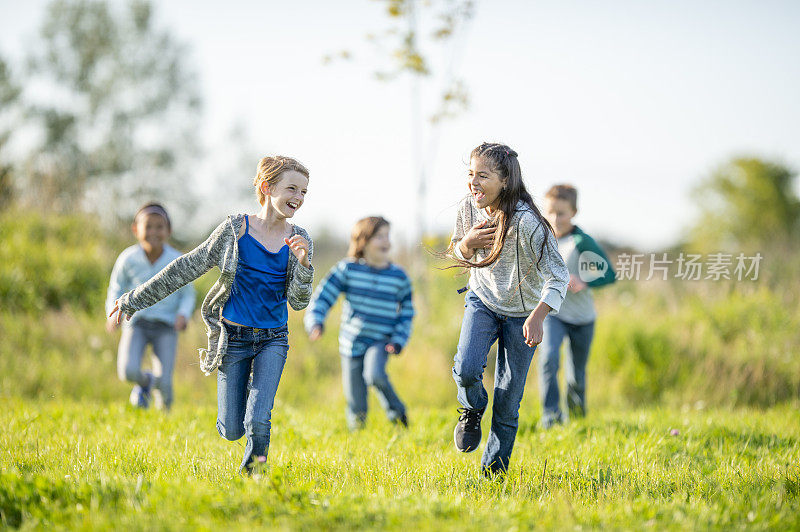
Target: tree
x: 115, y: 107
x: 746, y: 202
x: 417, y: 26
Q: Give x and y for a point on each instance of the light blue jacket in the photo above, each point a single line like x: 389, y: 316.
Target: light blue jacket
x: 132, y: 269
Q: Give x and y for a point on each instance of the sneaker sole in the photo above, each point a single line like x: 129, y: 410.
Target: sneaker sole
x: 456, y: 444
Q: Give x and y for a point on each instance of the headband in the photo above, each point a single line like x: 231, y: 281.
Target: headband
x: 153, y: 209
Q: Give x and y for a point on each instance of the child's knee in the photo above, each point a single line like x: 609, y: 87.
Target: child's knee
x: 376, y: 378
x: 129, y: 374
x: 466, y: 375
x: 231, y: 434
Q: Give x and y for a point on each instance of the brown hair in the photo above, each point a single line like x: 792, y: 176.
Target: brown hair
x: 504, y: 161
x: 270, y: 170
x: 567, y: 193
x: 362, y: 232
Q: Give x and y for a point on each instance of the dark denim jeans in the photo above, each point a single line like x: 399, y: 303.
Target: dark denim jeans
x: 369, y: 370
x: 480, y: 328
x: 580, y: 340
x: 247, y: 382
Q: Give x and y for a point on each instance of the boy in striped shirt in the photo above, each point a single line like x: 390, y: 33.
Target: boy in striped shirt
x: 376, y: 318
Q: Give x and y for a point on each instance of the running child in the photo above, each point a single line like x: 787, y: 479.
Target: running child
x: 157, y: 326
x: 376, y: 318
x: 265, y: 262
x: 588, y: 267
x: 517, y: 277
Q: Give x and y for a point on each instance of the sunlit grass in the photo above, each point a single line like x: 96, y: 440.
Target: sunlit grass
x: 95, y: 464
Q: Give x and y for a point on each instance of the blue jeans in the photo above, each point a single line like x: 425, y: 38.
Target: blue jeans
x: 132, y: 343
x: 480, y: 328
x: 369, y: 370
x: 580, y: 340
x: 247, y: 382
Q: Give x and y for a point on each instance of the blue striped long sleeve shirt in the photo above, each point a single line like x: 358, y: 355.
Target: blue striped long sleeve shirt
x: 377, y: 308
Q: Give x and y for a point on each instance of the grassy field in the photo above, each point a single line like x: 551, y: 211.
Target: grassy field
x: 92, y: 464
x: 693, y: 393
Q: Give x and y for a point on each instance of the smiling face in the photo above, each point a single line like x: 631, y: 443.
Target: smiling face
x: 152, y: 231
x: 559, y: 213
x: 287, y: 194
x: 485, y: 183
x: 376, y: 250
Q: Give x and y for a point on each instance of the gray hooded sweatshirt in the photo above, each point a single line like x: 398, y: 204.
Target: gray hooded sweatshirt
x: 514, y: 284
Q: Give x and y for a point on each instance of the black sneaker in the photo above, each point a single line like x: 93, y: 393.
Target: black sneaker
x: 467, y: 433
x: 402, y: 420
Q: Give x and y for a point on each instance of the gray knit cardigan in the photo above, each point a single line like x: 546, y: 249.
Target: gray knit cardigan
x: 221, y: 250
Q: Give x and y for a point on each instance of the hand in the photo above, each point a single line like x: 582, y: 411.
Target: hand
x: 116, y: 311
x: 479, y: 236
x: 111, y: 325
x: 315, y: 334
x: 532, y: 330
x: 393, y: 349
x: 180, y: 323
x: 575, y: 284
x: 299, y: 247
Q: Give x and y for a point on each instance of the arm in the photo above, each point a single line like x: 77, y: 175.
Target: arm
x: 458, y: 235
x: 533, y: 329
x: 117, y: 285
x: 464, y: 244
x: 551, y: 267
x: 185, y: 306
x: 176, y: 274
x: 298, y: 292
x: 324, y: 297
x: 584, y: 243
x: 402, y: 329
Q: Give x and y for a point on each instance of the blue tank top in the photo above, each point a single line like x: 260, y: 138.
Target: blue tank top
x: 258, y: 298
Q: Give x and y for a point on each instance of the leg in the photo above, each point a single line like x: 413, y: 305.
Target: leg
x: 355, y: 391
x: 554, y: 331
x: 267, y: 369
x: 132, y: 344
x: 165, y: 343
x: 479, y: 330
x: 232, y: 378
x: 375, y: 375
x: 580, y: 342
x: 513, y: 361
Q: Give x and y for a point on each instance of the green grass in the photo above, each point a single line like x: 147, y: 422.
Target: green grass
x: 716, y: 362
x: 90, y: 464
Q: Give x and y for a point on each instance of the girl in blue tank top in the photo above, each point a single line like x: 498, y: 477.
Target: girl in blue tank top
x: 255, y: 314
x: 265, y: 262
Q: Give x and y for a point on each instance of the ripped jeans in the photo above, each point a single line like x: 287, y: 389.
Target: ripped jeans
x: 247, y: 382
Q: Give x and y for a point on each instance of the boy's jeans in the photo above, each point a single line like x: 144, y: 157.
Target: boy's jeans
x: 247, y: 382
x: 132, y: 343
x: 479, y: 330
x: 580, y: 340
x: 369, y: 370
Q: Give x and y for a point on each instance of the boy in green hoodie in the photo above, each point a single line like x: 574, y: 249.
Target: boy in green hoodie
x: 589, y: 267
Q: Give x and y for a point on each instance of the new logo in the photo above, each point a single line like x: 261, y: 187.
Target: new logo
x: 591, y: 266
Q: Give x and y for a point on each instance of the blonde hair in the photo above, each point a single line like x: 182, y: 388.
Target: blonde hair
x: 270, y: 170
x: 362, y: 232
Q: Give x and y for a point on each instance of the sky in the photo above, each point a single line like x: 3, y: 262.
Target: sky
x: 632, y: 102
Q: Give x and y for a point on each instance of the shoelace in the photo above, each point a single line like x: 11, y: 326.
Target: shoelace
x: 470, y: 419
